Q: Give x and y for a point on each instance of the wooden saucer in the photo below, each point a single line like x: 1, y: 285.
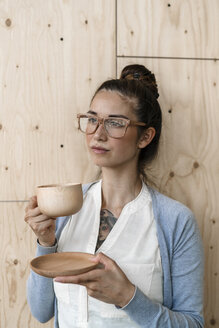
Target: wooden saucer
x: 62, y: 264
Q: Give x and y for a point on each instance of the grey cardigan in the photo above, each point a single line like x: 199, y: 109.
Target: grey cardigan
x: 182, y: 262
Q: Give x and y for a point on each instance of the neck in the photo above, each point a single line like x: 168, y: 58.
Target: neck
x: 118, y: 189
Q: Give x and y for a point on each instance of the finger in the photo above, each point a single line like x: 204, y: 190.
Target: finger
x: 106, y: 261
x: 67, y: 279
x: 93, y: 292
x: 34, y: 213
x: 39, y: 226
x: 38, y: 220
x: 92, y: 287
x: 95, y: 259
x: 80, y: 278
x: 37, y: 216
x: 29, y: 216
x: 33, y: 202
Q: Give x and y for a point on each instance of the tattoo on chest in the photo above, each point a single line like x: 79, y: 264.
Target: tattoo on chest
x: 107, y: 221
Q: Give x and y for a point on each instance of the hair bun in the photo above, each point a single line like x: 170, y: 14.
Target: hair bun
x: 142, y: 74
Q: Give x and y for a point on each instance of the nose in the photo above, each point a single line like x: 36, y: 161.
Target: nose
x: 100, y: 133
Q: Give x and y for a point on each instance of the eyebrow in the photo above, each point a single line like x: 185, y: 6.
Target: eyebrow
x: 112, y: 115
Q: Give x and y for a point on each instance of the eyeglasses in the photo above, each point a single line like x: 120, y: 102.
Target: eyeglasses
x: 114, y: 127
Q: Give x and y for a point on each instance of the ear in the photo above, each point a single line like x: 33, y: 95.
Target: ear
x: 146, y: 137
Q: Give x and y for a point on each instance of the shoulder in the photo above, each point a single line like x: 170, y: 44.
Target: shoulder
x: 168, y: 207
x: 177, y: 225
x: 171, y: 215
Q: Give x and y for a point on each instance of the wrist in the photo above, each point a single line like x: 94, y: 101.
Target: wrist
x: 128, y: 297
x: 47, y: 244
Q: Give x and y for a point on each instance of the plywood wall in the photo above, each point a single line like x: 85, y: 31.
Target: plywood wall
x: 179, y: 42
x: 157, y: 28
x: 53, y: 55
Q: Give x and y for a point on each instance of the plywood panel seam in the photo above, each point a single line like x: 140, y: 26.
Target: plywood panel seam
x: 116, y: 35
x: 158, y: 57
x: 14, y: 201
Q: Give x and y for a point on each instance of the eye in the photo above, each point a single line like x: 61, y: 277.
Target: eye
x: 92, y: 120
x: 115, y: 123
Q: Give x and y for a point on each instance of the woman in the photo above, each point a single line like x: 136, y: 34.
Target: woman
x: 148, y: 245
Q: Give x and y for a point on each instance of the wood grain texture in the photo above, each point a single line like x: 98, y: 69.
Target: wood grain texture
x: 182, y: 28
x: 17, y: 248
x: 51, y: 55
x: 187, y: 166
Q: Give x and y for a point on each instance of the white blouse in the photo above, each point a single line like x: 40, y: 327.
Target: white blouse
x: 132, y: 243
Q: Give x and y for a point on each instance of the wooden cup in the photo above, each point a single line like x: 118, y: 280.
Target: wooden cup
x: 60, y: 199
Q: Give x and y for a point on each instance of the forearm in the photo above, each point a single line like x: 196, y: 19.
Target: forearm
x: 40, y: 293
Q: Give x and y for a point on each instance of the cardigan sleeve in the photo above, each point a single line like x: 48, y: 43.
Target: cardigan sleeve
x: 40, y: 292
x: 186, y: 267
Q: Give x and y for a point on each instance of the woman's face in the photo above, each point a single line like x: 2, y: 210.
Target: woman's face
x: 107, y: 151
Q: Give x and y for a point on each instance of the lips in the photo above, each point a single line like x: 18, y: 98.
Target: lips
x: 99, y: 150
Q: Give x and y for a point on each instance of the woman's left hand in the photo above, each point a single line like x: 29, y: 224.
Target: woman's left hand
x: 108, y: 284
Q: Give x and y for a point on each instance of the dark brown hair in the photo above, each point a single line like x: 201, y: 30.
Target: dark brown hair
x: 139, y: 86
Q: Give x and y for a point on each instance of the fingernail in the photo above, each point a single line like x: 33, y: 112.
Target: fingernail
x: 93, y: 259
x: 56, y: 279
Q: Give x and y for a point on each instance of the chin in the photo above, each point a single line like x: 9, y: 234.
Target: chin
x: 101, y: 162
x: 98, y: 159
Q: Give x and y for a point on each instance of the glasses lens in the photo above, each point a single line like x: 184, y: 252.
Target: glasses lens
x: 115, y: 127
x: 88, y: 124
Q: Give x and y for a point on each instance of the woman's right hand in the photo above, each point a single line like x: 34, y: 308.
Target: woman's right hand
x: 42, y: 225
